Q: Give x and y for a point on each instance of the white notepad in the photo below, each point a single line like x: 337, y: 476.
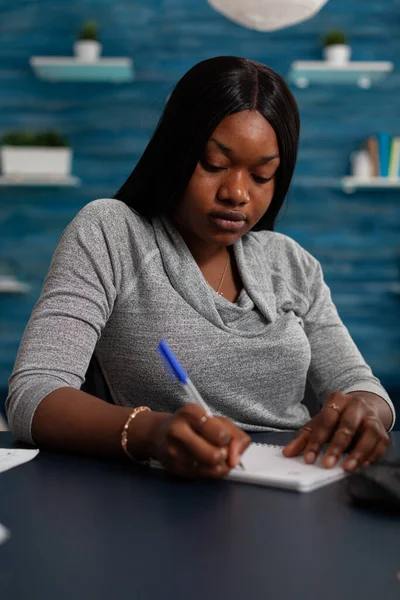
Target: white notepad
x: 13, y: 457
x: 265, y: 465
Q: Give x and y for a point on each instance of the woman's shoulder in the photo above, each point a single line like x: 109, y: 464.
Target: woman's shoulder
x: 113, y: 218
x: 104, y: 209
x: 283, y: 253
x: 108, y: 223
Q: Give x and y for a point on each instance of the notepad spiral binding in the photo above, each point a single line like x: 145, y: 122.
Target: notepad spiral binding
x: 269, y: 445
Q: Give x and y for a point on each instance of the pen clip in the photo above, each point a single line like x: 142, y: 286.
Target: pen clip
x: 172, y: 364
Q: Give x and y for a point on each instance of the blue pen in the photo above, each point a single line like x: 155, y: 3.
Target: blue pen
x: 176, y: 371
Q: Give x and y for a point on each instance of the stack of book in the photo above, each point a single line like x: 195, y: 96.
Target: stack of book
x: 384, y: 153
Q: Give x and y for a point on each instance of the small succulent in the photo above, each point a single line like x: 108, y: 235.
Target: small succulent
x: 90, y: 31
x: 334, y: 37
x: 30, y: 138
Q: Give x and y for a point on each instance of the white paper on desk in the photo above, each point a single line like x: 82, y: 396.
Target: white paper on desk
x: 13, y: 457
x: 4, y: 534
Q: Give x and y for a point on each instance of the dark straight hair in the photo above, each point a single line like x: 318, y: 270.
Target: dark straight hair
x: 203, y: 97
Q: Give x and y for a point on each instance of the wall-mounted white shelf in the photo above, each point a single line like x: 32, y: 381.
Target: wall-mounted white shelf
x: 9, y: 284
x: 39, y: 181
x: 351, y: 184
x: 347, y: 184
x: 319, y: 181
x: 65, y: 68
x: 361, y: 73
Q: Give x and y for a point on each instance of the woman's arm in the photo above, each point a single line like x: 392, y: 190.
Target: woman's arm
x: 336, y: 362
x: 185, y: 442
x: 357, y: 412
x: 72, y: 420
x: 66, y: 323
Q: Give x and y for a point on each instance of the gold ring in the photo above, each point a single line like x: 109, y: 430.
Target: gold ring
x: 334, y: 406
x: 203, y: 419
x: 372, y: 419
x: 306, y: 429
x: 345, y: 431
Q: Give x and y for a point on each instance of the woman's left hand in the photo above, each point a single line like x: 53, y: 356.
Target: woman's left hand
x: 344, y: 419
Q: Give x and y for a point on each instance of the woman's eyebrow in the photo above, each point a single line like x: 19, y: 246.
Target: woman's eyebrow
x: 226, y: 150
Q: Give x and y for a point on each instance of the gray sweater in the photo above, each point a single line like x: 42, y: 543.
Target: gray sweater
x: 117, y: 284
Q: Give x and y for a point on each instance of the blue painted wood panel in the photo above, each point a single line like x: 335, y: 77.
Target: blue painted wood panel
x: 356, y: 237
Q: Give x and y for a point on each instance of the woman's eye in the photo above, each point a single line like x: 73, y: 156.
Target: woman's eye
x: 261, y: 180
x: 209, y: 167
x: 215, y: 169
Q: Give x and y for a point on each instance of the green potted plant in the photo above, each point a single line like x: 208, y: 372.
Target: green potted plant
x: 335, y: 47
x: 43, y: 153
x: 87, y: 47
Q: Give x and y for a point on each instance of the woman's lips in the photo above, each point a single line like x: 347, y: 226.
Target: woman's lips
x: 230, y: 220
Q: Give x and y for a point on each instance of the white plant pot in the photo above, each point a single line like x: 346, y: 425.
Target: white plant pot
x: 361, y: 165
x: 87, y: 50
x: 35, y: 160
x: 337, y: 53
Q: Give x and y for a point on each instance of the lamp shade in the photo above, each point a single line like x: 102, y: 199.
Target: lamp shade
x: 267, y: 15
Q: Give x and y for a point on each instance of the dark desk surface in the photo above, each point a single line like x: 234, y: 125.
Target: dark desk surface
x: 91, y: 529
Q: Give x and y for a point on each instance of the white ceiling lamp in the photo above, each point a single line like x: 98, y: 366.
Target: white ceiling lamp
x: 268, y: 15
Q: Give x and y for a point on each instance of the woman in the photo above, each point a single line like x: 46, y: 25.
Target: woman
x: 186, y: 251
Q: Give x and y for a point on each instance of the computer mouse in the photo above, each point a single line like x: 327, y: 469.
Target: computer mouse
x: 377, y: 486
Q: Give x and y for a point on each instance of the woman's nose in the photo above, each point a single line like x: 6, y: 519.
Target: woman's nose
x: 234, y: 189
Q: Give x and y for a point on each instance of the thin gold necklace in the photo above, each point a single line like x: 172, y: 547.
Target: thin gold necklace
x: 223, y: 275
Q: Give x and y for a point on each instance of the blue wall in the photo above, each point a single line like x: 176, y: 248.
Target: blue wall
x: 355, y: 237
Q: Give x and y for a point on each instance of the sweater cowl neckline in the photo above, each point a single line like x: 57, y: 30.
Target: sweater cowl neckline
x: 188, y: 280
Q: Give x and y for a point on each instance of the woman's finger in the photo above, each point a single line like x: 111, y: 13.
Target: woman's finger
x: 238, y: 445
x: 323, y: 427
x: 371, y: 433
x: 179, y: 461
x: 239, y: 442
x: 296, y: 446
x: 347, y: 428
x: 202, y: 451
x: 377, y: 452
x: 211, y: 428
x: 219, y: 431
x: 340, y: 442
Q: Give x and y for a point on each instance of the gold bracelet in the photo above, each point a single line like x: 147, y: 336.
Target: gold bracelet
x: 124, y: 433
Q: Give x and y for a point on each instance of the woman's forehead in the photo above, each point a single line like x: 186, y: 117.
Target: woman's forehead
x: 246, y: 130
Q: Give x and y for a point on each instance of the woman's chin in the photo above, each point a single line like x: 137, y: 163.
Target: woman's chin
x: 225, y: 239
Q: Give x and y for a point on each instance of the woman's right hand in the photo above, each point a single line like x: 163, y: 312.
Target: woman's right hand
x: 190, y: 444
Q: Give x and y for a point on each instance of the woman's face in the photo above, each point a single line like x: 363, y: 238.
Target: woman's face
x: 233, y: 183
